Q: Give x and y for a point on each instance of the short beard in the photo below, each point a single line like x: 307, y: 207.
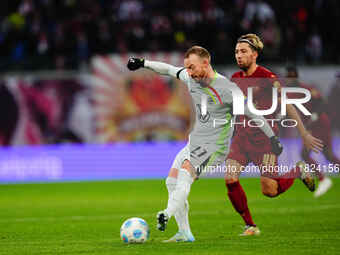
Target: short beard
x: 244, y: 68
x: 204, y: 82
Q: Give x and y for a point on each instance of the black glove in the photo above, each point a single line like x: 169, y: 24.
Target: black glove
x: 135, y: 63
x: 276, y: 145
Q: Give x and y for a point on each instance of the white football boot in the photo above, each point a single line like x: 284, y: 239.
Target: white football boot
x: 251, y: 231
x: 323, y: 186
x: 181, y: 236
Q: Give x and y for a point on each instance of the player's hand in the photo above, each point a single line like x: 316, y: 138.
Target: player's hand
x: 135, y: 63
x: 312, y: 143
x: 277, y: 147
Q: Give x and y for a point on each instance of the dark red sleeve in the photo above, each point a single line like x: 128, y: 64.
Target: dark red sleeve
x: 235, y: 76
x: 272, y: 79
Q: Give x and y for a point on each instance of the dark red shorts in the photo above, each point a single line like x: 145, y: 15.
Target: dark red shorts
x: 244, y: 151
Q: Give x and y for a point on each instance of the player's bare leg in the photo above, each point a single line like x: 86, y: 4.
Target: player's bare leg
x: 269, y: 187
x: 177, y: 200
x: 238, y: 197
x: 269, y: 184
x: 310, y: 161
x: 181, y: 215
x: 325, y: 183
x: 273, y: 185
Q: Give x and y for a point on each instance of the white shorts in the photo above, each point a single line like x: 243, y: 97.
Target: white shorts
x: 200, y: 156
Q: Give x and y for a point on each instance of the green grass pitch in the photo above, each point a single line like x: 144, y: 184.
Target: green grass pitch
x: 85, y: 218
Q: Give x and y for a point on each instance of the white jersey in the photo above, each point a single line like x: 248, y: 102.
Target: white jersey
x: 213, y: 126
x: 210, y: 137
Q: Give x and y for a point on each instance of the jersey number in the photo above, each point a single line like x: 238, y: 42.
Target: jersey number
x: 198, y: 152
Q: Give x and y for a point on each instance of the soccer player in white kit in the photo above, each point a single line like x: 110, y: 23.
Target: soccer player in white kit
x: 209, y: 139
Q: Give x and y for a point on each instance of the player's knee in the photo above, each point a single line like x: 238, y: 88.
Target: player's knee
x: 173, y: 173
x: 269, y: 187
x: 269, y: 192
x: 186, y: 165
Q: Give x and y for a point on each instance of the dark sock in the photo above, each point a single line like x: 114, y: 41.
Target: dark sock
x: 238, y: 199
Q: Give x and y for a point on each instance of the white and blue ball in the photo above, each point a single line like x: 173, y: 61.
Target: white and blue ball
x: 134, y: 230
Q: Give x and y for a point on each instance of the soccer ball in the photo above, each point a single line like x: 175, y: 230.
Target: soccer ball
x: 134, y: 230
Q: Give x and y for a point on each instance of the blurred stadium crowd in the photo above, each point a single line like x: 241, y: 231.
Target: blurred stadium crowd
x: 75, y: 34
x: 64, y: 34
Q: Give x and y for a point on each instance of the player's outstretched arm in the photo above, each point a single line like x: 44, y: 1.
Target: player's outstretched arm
x: 158, y: 67
x: 309, y: 141
x: 274, y: 140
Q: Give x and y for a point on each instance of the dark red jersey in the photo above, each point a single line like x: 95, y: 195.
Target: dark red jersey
x: 314, y: 104
x: 320, y: 128
x: 262, y: 82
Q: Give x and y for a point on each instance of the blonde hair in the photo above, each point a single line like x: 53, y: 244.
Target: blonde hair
x: 253, y: 40
x: 199, y: 51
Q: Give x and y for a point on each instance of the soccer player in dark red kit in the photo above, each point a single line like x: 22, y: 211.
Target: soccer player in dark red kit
x: 319, y: 125
x: 249, y: 143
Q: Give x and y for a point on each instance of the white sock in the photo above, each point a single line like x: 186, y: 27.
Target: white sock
x: 181, y: 215
x: 186, y: 225
x: 170, y: 184
x: 179, y: 196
